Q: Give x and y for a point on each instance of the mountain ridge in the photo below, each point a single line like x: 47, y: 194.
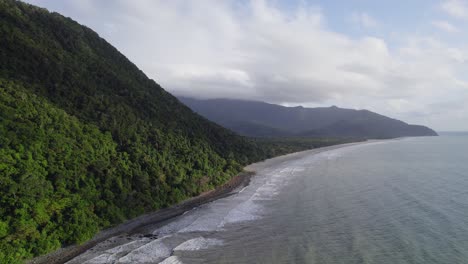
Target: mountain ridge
x: 242, y: 116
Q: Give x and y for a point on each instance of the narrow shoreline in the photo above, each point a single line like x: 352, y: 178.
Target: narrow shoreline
x: 137, y: 224
x: 132, y: 226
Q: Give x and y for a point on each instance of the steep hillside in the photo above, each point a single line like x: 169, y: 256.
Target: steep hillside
x: 53, y: 168
x: 244, y: 117
x: 87, y: 140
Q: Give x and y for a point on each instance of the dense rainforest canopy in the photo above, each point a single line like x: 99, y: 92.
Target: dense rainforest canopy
x: 87, y: 140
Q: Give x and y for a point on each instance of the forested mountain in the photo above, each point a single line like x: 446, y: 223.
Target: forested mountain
x: 259, y: 119
x: 87, y: 140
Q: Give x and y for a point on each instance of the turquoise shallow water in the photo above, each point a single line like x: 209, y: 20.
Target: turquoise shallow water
x: 400, y: 201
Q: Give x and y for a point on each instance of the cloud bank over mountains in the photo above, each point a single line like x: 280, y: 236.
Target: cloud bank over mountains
x: 262, y: 50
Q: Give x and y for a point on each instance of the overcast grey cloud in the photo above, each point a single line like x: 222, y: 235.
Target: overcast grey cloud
x: 259, y: 50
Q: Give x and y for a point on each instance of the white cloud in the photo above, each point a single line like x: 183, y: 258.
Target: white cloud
x: 364, y: 20
x: 255, y: 50
x: 455, y: 8
x: 445, y: 26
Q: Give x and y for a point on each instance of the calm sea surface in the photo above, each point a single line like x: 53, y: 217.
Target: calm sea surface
x: 401, y: 201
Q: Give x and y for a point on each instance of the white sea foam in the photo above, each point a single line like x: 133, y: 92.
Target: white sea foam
x: 243, y: 189
x: 267, y: 191
x: 246, y: 211
x: 128, y: 246
x: 198, y: 243
x: 210, y: 217
x: 178, y: 224
x: 113, y: 254
x: 151, y: 252
x: 238, y: 208
x: 102, y: 259
x: 171, y: 260
x: 250, y: 209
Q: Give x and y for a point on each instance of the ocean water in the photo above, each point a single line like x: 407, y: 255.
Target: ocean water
x: 399, y: 201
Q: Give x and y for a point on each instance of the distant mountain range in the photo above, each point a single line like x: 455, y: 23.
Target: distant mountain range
x: 260, y: 119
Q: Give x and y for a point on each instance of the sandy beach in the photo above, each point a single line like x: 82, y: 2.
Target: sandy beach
x: 140, y: 227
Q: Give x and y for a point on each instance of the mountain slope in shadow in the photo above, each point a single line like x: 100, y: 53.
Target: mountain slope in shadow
x: 260, y: 119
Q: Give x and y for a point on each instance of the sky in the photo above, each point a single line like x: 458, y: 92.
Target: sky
x: 406, y: 59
